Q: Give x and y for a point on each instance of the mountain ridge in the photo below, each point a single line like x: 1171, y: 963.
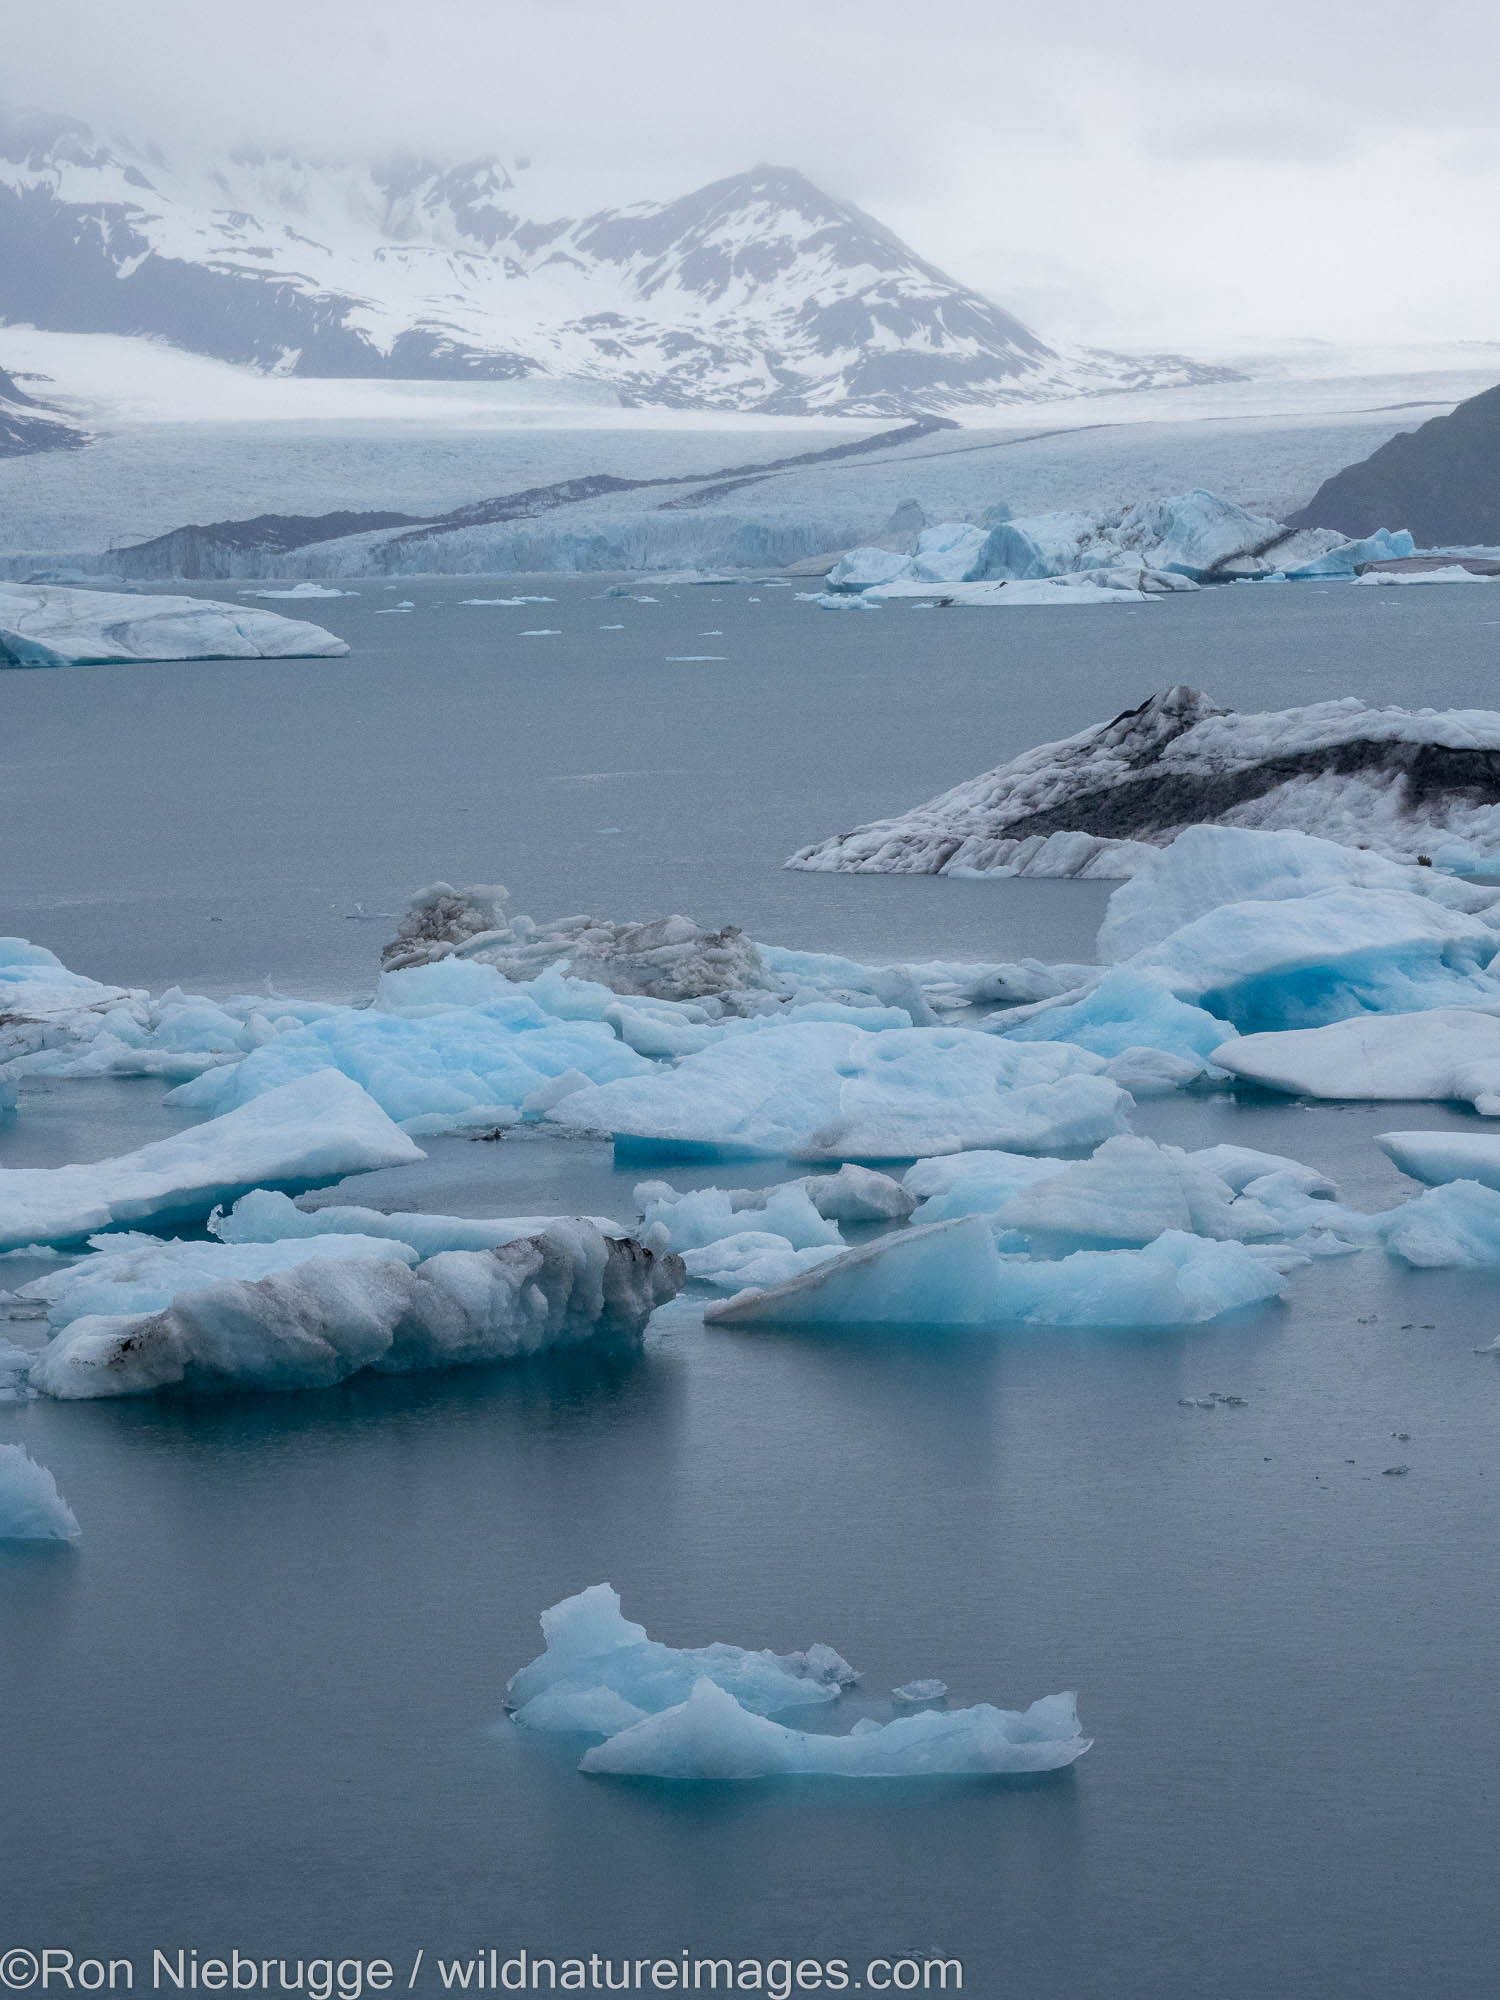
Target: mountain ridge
x: 759, y: 292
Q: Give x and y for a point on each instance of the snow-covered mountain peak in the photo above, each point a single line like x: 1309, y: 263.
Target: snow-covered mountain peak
x: 759, y: 291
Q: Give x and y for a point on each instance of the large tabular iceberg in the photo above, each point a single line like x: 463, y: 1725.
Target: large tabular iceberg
x: 31, y: 1508
x: 711, y: 1736
x: 44, y: 626
x: 317, y: 1129
x: 329, y: 1317
x: 1403, y: 782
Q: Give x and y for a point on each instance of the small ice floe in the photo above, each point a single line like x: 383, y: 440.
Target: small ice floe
x: 31, y: 1508
x: 300, y: 590
x: 543, y: 632
x: 508, y: 600
x: 713, y: 1737
x: 705, y: 1712
x: 913, y: 1693
x: 693, y: 659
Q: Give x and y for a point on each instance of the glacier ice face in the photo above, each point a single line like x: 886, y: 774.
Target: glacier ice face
x: 315, y: 1129
x: 1440, y: 1054
x: 1208, y: 866
x: 31, y: 1508
x: 1436, y: 1157
x: 600, y: 1672
x: 712, y: 1737
x: 327, y: 1318
x: 42, y: 625
x: 1337, y: 769
x: 951, y: 1274
x: 826, y: 1091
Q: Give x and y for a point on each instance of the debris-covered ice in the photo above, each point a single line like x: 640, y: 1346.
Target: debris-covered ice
x: 31, y: 1508
x: 1406, y: 783
x: 329, y: 1317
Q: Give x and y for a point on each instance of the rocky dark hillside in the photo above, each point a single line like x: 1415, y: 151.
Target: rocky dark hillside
x: 1441, y: 481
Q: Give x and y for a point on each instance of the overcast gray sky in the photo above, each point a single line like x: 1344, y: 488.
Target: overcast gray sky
x: 1174, y: 173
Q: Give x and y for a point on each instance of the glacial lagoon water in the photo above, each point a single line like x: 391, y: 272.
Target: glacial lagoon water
x: 258, y: 1708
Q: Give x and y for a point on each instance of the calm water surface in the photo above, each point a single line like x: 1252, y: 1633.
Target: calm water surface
x: 257, y: 1708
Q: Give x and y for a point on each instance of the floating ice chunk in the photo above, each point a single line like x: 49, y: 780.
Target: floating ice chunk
x: 711, y: 1736
x: 950, y: 1274
x: 593, y: 1651
x: 920, y: 1691
x: 1320, y: 958
x: 1239, y: 1166
x: 1455, y: 1224
x: 31, y: 1508
x: 976, y: 1183
x: 1441, y: 1053
x: 1104, y: 587
x: 264, y: 1217
x: 1448, y: 573
x: 307, y: 589
x: 1126, y: 1010
x: 1436, y: 1157
x: 146, y: 1273
x: 708, y: 1215
x: 948, y: 553
x: 835, y: 600
x: 316, y: 1129
x: 440, y: 1060
x: 1127, y: 1195
x: 43, y: 626
x: 754, y: 1257
x: 1207, y: 866
x: 812, y: 1090
x: 861, y: 567
x: 326, y: 1319
x: 858, y: 1194
x: 1344, y: 558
